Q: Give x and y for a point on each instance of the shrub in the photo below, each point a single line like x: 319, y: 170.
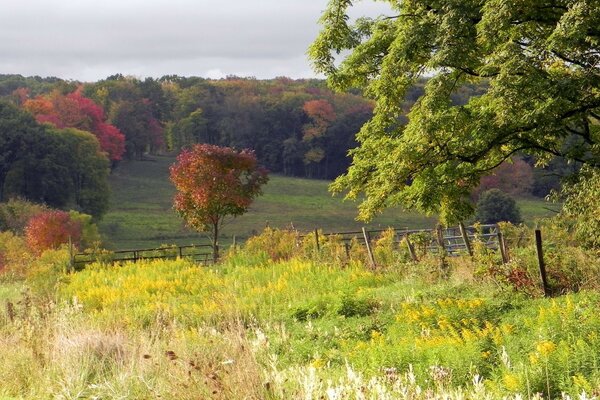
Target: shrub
x: 50, y: 229
x: 90, y: 237
x: 495, y: 206
x: 276, y: 244
x: 14, y: 257
x: 15, y: 213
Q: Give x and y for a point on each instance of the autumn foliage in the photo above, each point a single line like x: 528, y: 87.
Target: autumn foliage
x: 214, y: 182
x: 50, y: 229
x: 76, y: 111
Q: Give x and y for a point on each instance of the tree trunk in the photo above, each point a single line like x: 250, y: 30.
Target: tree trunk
x: 215, y: 242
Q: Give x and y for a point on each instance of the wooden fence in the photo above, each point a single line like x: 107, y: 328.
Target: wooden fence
x: 201, y: 253
x: 451, y: 241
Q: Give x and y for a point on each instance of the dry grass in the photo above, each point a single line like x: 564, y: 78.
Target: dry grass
x: 56, y: 352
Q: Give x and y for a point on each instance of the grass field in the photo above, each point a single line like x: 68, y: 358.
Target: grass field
x: 141, y: 214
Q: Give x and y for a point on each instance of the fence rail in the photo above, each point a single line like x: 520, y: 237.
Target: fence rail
x: 200, y: 253
x: 452, y: 241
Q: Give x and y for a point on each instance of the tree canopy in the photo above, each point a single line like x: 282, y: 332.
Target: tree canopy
x: 214, y: 182
x: 58, y: 167
x: 539, y: 64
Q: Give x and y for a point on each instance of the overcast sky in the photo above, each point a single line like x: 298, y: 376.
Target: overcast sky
x: 92, y: 39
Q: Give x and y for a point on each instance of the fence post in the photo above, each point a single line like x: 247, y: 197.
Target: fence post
x: 71, y: 255
x: 317, y: 240
x: 368, y: 244
x: 540, y: 255
x: 465, y: 236
x: 411, y: 248
x: 502, y: 247
x: 440, y: 239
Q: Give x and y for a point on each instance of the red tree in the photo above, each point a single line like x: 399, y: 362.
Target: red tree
x: 513, y: 177
x: 50, y: 229
x: 214, y: 182
x: 76, y: 111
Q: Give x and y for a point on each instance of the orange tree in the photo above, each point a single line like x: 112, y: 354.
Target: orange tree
x: 215, y: 182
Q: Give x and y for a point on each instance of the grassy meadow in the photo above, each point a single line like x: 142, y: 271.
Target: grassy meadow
x: 280, y: 318
x: 263, y: 325
x: 141, y: 214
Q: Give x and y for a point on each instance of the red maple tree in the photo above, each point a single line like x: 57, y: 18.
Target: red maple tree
x: 50, y: 229
x: 76, y: 111
x: 215, y: 182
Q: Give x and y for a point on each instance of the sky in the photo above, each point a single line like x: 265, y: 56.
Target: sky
x: 88, y: 40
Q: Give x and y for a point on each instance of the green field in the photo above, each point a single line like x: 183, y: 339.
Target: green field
x: 141, y: 214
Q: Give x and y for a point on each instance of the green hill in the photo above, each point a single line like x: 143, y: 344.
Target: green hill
x: 141, y: 214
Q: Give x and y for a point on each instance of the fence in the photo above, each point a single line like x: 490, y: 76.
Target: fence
x: 200, y: 253
x: 451, y: 241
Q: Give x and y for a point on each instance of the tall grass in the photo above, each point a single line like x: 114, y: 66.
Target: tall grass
x: 281, y: 318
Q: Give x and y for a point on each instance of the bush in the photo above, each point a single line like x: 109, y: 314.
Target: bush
x: 495, y: 206
x: 15, y: 213
x: 50, y: 229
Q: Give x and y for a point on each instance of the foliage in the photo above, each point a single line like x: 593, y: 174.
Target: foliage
x: 376, y: 323
x: 513, y: 177
x: 495, y: 206
x: 14, y: 257
x: 86, y: 186
x: 15, y: 213
x: 581, y: 208
x: 20, y: 135
x: 50, y: 229
x: 58, y: 167
x: 535, y: 62
x: 215, y: 182
x: 76, y: 111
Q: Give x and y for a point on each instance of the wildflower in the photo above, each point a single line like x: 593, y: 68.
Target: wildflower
x: 511, y: 382
x: 545, y: 347
x: 533, y: 358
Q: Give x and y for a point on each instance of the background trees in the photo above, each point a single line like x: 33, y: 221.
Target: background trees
x: 214, y: 182
x: 76, y: 111
x: 536, y: 61
x: 495, y: 206
x: 59, y: 167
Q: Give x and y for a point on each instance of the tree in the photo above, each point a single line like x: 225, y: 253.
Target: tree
x: 76, y: 111
x: 495, y: 206
x: 214, y: 182
x: 538, y: 63
x: 514, y: 177
x: 321, y: 114
x: 58, y: 167
x: 18, y: 134
x: 50, y: 229
x: 581, y: 204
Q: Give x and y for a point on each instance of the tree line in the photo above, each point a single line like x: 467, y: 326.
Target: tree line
x: 59, y: 139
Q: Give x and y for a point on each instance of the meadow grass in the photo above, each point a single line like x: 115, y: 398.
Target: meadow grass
x: 10, y: 291
x: 445, y: 332
x: 141, y: 213
x: 280, y: 319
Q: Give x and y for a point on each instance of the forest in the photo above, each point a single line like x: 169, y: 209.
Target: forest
x: 80, y: 131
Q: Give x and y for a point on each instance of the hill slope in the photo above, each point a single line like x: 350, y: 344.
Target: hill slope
x: 141, y: 214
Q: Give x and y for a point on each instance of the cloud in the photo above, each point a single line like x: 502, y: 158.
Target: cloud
x: 88, y: 40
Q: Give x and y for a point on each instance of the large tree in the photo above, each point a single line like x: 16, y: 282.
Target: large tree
x: 538, y: 60
x: 215, y: 182
x: 60, y: 167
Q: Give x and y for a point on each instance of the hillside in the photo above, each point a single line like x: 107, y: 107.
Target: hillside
x: 141, y: 214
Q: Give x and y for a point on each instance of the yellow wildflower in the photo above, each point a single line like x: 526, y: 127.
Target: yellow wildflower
x: 511, y: 381
x: 545, y: 347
